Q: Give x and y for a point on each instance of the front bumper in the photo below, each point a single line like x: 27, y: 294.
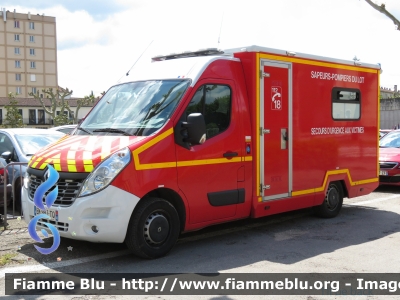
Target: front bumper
x: 389, y: 180
x: 389, y: 176
x: 108, y: 212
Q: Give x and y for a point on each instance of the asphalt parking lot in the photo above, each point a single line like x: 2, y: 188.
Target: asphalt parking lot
x: 362, y: 239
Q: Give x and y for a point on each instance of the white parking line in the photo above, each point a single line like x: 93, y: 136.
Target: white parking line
x: 373, y: 200
x: 66, y: 263
x: 57, y: 265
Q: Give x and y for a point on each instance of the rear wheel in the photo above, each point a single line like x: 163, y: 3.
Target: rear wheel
x: 153, y: 229
x: 333, y: 201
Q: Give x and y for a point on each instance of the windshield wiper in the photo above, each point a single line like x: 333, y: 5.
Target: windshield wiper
x: 85, y: 130
x: 112, y: 130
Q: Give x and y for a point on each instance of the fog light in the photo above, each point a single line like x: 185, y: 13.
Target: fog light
x: 95, y: 229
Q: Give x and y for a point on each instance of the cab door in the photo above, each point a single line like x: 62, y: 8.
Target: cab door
x: 208, y: 174
x: 276, y: 133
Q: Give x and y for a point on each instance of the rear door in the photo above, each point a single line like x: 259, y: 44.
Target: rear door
x: 276, y: 134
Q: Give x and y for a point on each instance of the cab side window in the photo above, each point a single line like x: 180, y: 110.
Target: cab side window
x: 213, y: 101
x: 5, y: 144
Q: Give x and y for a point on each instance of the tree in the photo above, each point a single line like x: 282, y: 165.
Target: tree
x: 382, y: 8
x: 87, y: 100
x: 13, y: 118
x: 57, y: 100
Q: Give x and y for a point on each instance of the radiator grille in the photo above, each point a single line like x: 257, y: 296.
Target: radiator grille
x: 67, y: 189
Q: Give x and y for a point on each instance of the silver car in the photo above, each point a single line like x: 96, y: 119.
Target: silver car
x: 64, y: 128
x: 19, y: 145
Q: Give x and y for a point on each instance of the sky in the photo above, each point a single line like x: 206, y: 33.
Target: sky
x: 99, y: 41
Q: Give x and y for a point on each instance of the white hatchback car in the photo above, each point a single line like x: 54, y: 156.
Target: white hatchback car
x: 64, y: 128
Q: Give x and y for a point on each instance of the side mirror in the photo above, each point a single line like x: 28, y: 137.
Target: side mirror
x: 196, y: 129
x: 6, y: 155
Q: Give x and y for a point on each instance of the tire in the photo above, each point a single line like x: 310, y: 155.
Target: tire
x: 153, y: 229
x: 17, y: 196
x: 333, y: 201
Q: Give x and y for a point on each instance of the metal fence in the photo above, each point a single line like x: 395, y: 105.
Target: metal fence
x: 12, y: 170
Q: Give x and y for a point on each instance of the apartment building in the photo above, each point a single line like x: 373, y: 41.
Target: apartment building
x: 28, y: 53
x: 28, y: 63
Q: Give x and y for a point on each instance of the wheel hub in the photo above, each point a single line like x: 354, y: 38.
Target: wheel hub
x: 332, y: 198
x: 156, y: 228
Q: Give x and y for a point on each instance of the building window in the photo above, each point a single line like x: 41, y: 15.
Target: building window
x: 346, y: 104
x: 31, y: 51
x: 20, y: 112
x: 31, y: 25
x: 16, y: 37
x: 18, y: 64
x: 34, y: 90
x: 18, y: 77
x: 1, y: 116
x: 41, y: 116
x: 31, y: 38
x: 32, y: 116
x: 16, y: 24
x: 33, y: 77
x: 18, y: 90
x: 65, y: 113
x: 33, y: 64
x: 16, y: 50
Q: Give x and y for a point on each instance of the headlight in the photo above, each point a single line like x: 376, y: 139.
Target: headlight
x: 105, y: 172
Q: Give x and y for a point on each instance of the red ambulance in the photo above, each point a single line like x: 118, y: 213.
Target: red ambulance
x: 211, y: 136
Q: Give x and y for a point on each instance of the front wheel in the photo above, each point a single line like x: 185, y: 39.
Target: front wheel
x: 333, y: 201
x: 17, y: 196
x: 153, y: 229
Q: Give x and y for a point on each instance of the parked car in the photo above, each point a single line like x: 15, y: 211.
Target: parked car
x: 389, y: 158
x: 19, y: 145
x: 383, y: 132
x: 64, y: 128
x: 4, y: 172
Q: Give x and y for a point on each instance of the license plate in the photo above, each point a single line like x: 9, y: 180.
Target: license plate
x: 52, y: 213
x: 384, y: 173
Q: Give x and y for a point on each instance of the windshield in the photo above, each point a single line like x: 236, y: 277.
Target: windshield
x: 390, y: 140
x: 135, y: 108
x: 31, y: 143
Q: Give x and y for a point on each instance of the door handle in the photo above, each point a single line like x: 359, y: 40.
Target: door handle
x: 284, y: 138
x: 230, y: 154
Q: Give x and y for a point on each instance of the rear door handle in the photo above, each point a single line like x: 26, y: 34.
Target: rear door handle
x: 230, y: 154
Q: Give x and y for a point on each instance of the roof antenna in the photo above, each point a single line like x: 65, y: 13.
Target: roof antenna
x: 127, y: 73
x: 219, y: 36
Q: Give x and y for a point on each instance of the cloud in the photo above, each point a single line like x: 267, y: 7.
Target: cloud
x: 98, y: 9
x: 94, y: 53
x: 339, y: 29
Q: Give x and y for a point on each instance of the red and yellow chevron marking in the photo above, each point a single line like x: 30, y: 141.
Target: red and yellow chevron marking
x: 79, y: 153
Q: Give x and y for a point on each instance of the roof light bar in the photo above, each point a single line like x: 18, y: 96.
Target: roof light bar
x: 201, y: 52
